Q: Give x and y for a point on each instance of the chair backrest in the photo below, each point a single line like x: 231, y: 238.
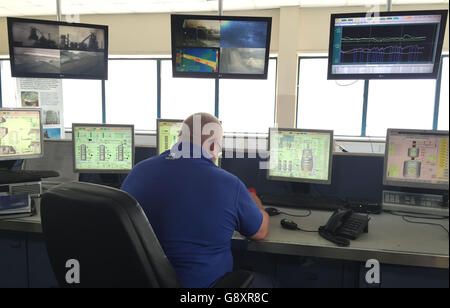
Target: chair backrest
x: 106, y: 231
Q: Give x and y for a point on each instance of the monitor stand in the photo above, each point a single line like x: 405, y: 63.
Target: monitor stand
x: 111, y: 180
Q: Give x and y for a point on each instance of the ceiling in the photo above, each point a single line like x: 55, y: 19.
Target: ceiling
x: 48, y: 7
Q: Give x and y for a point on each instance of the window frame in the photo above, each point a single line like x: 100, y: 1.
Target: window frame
x: 158, y: 60
x: 365, y: 100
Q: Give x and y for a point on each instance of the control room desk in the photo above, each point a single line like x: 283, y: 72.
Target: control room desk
x: 390, y: 240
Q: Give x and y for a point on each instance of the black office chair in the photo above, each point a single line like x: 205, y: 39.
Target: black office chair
x: 107, y: 232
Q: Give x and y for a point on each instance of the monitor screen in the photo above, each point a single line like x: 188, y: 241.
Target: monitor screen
x: 416, y: 159
x: 394, y: 45
x: 220, y: 46
x: 20, y: 134
x: 167, y: 134
x: 298, y: 155
x: 103, y: 148
x: 50, y: 49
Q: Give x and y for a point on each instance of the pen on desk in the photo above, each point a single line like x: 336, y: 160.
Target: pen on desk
x: 341, y: 148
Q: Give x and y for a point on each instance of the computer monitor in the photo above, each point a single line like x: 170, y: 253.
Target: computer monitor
x: 205, y: 46
x: 393, y: 45
x: 300, y: 155
x: 55, y: 49
x: 21, y: 134
x: 103, y: 148
x: 167, y: 132
x: 416, y: 158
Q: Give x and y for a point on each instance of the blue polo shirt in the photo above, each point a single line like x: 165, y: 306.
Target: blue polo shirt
x: 194, y: 208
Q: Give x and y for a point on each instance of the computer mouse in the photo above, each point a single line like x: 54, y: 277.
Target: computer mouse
x: 272, y: 211
x: 289, y: 224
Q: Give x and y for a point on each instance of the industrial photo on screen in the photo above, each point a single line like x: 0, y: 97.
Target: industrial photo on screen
x: 104, y: 148
x: 300, y: 155
x: 55, y: 50
x: 417, y: 158
x: 20, y: 133
x: 224, y: 47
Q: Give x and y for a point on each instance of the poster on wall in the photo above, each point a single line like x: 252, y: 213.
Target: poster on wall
x: 47, y: 95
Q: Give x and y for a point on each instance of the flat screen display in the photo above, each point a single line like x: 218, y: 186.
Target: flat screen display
x: 50, y: 49
x: 103, y: 148
x: 220, y: 46
x: 20, y: 134
x: 300, y: 155
x: 167, y: 133
x: 417, y: 159
x: 393, y: 45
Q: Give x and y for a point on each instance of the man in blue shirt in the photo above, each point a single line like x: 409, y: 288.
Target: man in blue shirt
x: 193, y: 206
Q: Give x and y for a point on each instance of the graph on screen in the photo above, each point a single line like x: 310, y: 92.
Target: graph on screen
x: 388, y: 44
x: 393, y: 45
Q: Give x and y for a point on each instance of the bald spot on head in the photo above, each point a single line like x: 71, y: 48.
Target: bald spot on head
x: 198, y: 121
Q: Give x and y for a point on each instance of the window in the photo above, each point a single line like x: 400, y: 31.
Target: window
x: 131, y: 93
x: 444, y: 101
x: 328, y: 104
x: 82, y: 101
x: 181, y: 97
x: 248, y: 105
x: 9, y: 86
x: 400, y: 104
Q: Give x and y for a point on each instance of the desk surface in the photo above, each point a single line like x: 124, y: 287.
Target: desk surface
x: 390, y: 240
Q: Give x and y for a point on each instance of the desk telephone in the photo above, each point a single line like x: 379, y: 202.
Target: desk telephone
x: 343, y: 226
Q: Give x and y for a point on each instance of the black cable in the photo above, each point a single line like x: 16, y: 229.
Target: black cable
x: 308, y: 231
x: 416, y: 215
x: 405, y: 215
x: 299, y: 216
x: 424, y: 223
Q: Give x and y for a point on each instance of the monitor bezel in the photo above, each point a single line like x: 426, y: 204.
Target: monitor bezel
x: 403, y: 183
x: 437, y: 64
x: 14, y: 73
x: 298, y: 180
x: 157, y: 131
x: 219, y: 75
x: 106, y: 171
x: 19, y: 157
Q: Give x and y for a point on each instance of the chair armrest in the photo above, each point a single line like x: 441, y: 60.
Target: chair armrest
x: 235, y: 280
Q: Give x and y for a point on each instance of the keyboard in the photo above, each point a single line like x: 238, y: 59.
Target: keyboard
x: 415, y: 203
x: 303, y: 201
x: 24, y: 176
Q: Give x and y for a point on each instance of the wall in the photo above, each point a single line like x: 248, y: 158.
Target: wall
x: 294, y: 31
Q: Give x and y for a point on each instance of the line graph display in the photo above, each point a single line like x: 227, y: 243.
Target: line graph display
x: 388, y: 44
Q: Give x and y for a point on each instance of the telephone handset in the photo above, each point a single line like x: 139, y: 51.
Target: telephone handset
x: 344, y: 225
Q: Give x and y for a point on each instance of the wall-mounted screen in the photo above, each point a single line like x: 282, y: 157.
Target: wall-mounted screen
x: 50, y: 49
x: 220, y: 46
x: 393, y: 45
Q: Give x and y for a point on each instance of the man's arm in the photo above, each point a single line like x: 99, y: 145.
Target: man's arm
x: 264, y: 229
